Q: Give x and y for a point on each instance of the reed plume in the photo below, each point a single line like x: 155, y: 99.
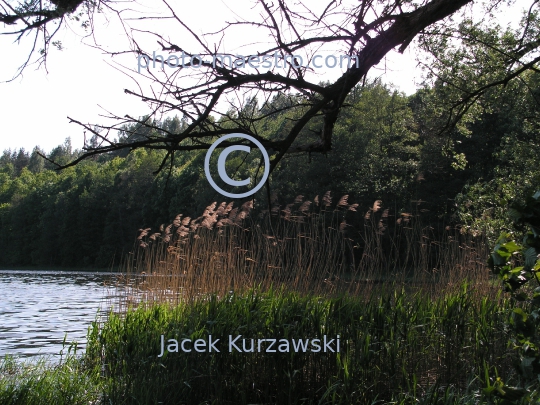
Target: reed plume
x: 306, y: 249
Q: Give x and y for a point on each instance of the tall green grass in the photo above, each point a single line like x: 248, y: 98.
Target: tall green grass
x: 42, y: 383
x: 393, y: 345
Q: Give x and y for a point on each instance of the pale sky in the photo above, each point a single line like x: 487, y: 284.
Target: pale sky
x: 82, y: 83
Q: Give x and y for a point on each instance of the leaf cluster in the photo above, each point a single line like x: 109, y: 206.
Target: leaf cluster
x: 518, y: 264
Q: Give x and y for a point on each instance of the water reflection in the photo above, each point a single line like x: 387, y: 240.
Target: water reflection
x: 38, y: 308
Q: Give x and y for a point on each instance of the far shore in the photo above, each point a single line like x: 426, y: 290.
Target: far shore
x: 59, y: 268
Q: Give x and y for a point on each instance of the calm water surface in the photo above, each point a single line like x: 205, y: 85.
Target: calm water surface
x: 38, y: 308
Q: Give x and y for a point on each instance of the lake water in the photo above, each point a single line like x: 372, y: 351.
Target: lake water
x: 38, y: 308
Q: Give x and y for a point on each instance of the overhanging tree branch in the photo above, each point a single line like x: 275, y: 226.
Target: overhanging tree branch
x: 366, y: 43
x: 201, y: 88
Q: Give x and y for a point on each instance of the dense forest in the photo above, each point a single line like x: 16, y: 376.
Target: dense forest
x: 387, y: 146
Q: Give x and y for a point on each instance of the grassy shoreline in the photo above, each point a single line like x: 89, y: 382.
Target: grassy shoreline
x: 397, y: 348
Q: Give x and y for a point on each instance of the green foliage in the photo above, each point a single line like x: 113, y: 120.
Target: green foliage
x: 393, y: 345
x: 80, y: 217
x: 483, y: 89
x: 518, y: 264
x: 41, y: 382
x: 513, y: 172
x: 375, y: 152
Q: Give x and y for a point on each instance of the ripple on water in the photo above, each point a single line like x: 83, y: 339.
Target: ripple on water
x: 38, y: 308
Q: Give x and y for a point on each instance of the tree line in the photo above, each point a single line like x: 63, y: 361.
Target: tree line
x: 387, y: 146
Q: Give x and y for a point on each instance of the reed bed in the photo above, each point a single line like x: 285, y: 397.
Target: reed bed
x: 305, y: 246
x: 420, y: 320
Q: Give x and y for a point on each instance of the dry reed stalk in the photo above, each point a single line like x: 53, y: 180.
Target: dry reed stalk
x: 306, y: 249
